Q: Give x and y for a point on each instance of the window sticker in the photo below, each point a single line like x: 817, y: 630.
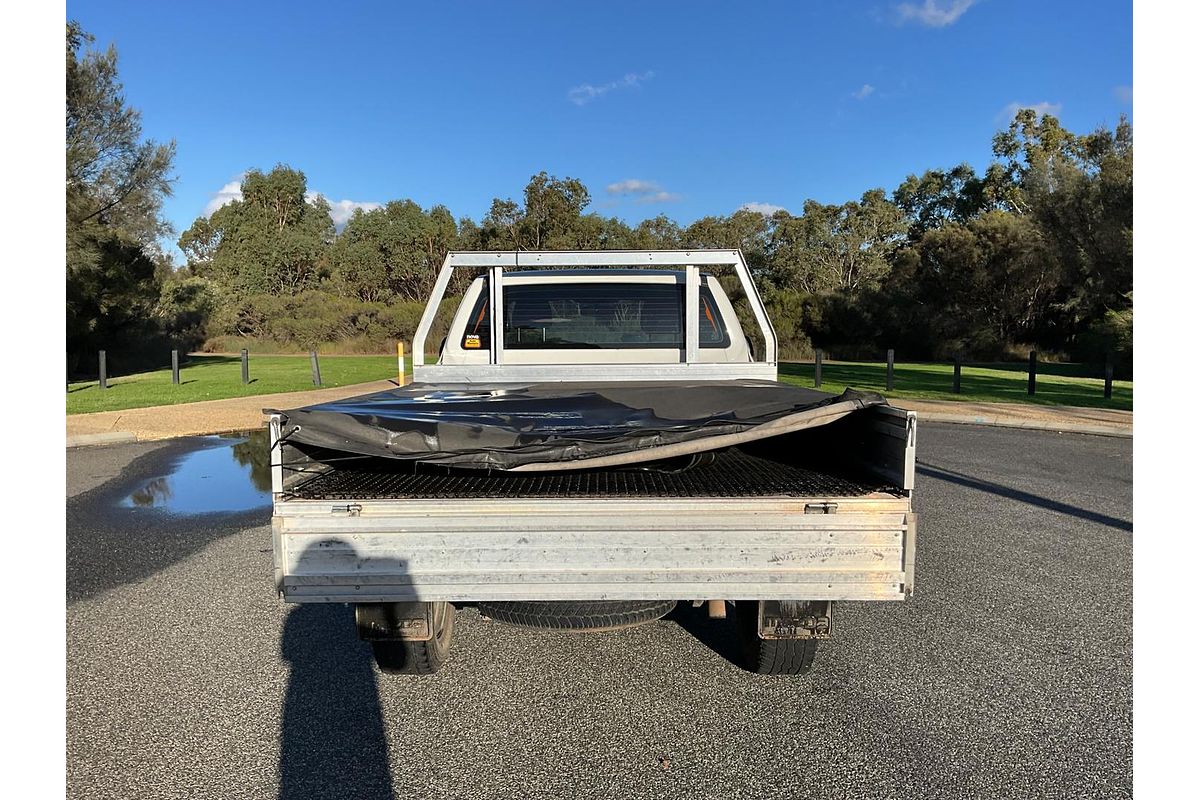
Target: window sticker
x: 471, y: 342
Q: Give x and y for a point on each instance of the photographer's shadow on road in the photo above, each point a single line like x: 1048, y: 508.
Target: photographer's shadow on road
x: 333, y: 742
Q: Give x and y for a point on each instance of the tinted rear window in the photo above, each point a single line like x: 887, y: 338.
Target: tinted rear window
x: 594, y: 316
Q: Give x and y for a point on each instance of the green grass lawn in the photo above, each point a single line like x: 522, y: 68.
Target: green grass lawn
x: 1057, y: 384
x: 209, y: 377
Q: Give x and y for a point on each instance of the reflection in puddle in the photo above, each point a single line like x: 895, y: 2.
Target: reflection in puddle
x: 234, y: 475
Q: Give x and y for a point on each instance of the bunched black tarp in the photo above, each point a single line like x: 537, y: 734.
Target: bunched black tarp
x: 559, y: 426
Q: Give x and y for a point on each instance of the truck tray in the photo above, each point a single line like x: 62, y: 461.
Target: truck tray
x: 730, y: 473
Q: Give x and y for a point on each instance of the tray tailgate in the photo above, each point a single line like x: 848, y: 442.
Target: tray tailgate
x: 548, y: 550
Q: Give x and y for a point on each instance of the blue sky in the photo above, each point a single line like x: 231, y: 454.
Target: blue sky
x: 683, y: 108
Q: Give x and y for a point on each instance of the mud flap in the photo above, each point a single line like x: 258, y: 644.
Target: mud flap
x: 382, y: 622
x: 795, y: 619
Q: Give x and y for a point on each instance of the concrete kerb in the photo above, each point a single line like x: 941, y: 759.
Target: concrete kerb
x: 96, y: 439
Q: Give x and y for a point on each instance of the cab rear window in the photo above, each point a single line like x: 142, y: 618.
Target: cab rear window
x: 594, y: 316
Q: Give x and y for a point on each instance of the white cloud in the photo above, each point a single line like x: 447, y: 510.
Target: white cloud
x: 1124, y: 94
x: 342, y: 210
x: 632, y: 186
x: 862, y: 94
x: 660, y: 197
x: 585, y: 93
x: 766, y: 209
x: 1041, y: 109
x: 934, y: 13
x: 339, y: 210
x: 225, y: 195
x: 641, y: 191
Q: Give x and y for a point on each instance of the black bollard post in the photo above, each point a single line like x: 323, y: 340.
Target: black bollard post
x: 957, y: 373
x: 245, y: 366
x: 817, y: 371
x: 103, y: 370
x: 1032, y: 371
x: 316, y: 368
x: 891, y: 368
x: 175, y: 367
x: 1108, y: 375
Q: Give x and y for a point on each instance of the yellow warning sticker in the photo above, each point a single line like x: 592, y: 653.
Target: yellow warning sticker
x: 471, y: 342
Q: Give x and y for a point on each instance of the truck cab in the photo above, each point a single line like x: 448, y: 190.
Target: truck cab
x: 599, y: 316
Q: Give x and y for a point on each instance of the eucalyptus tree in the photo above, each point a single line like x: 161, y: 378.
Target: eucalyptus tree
x: 115, y: 185
x: 549, y: 219
x: 746, y: 230
x: 272, y: 241
x: 393, y: 252
x: 847, y: 247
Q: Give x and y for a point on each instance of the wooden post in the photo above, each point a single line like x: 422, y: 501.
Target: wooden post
x: 891, y: 368
x: 103, y: 370
x: 817, y: 370
x: 957, y: 373
x: 245, y: 366
x: 1108, y: 375
x: 175, y: 367
x: 316, y: 368
x: 400, y: 363
x: 1032, y: 371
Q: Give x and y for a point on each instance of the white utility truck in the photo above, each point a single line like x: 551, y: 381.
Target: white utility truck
x: 598, y: 440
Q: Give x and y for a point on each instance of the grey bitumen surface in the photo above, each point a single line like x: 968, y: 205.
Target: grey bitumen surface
x: 1008, y: 674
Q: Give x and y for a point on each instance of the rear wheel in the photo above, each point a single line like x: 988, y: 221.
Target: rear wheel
x: 398, y: 656
x: 578, y: 615
x: 770, y: 656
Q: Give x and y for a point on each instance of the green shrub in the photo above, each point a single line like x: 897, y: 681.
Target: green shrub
x: 1111, y: 334
x: 317, y: 320
x: 184, y: 307
x: 789, y: 312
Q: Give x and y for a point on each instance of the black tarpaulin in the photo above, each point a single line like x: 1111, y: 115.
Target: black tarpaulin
x: 562, y: 425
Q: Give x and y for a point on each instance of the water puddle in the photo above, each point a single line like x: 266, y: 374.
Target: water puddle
x: 229, y: 474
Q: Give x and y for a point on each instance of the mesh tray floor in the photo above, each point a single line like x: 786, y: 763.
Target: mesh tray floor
x: 731, y: 473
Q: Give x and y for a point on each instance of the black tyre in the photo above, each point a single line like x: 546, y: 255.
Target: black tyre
x: 578, y: 615
x: 770, y: 656
x: 418, y: 658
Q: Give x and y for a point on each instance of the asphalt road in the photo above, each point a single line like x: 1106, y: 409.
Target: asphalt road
x: 1007, y: 675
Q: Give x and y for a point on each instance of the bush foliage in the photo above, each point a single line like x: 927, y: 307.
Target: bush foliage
x: 953, y: 263
x: 1037, y: 251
